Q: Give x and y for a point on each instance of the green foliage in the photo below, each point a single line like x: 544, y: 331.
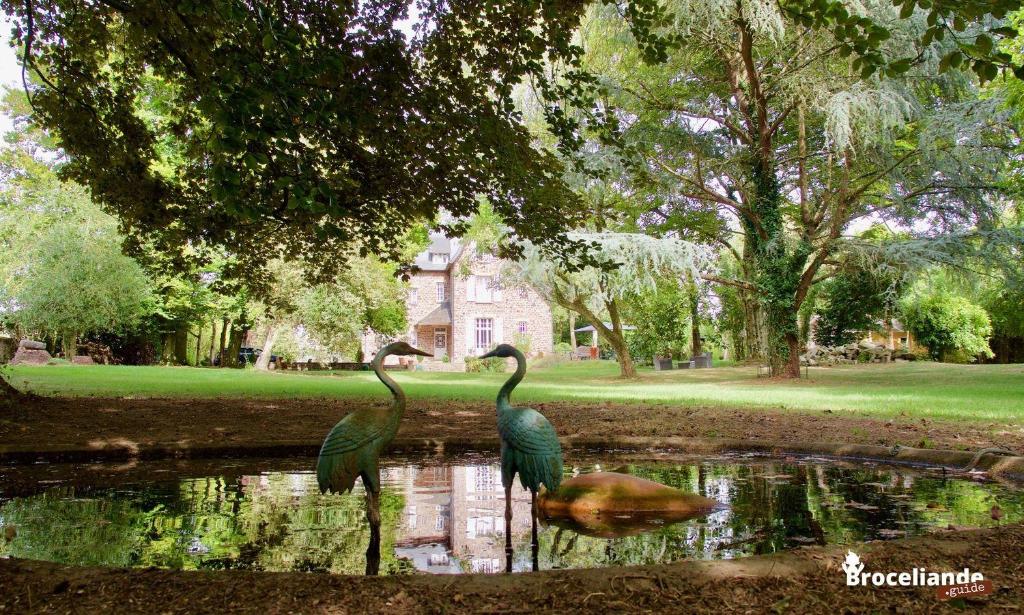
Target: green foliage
x: 946, y: 323
x: 79, y: 282
x: 697, y: 150
x: 256, y: 125
x: 493, y: 365
x: 852, y: 303
x: 662, y: 321
x: 523, y: 342
x: 366, y: 295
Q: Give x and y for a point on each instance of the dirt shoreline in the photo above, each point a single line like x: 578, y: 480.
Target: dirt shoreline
x: 163, y: 426
x: 807, y: 580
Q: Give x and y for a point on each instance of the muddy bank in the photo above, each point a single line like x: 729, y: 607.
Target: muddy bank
x: 226, y: 426
x: 807, y: 580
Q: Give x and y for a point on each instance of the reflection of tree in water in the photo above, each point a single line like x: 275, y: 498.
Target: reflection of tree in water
x: 84, y: 532
x: 278, y: 521
x: 275, y: 522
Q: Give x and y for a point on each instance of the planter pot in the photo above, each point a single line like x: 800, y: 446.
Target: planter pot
x: 662, y: 363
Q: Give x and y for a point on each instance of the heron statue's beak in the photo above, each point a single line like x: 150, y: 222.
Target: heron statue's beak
x: 422, y: 353
x: 490, y: 354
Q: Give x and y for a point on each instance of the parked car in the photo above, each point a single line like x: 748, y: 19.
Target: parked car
x: 249, y: 355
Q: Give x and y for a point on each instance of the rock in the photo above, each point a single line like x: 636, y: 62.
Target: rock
x: 26, y: 356
x: 614, y: 504
x: 83, y: 360
x: 31, y: 345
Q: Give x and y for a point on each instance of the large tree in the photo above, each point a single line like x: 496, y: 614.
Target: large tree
x: 78, y: 281
x: 312, y: 125
x: 761, y: 122
x: 596, y: 292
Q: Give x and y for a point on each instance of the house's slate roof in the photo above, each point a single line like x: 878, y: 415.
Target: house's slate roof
x: 441, y: 315
x: 439, y: 244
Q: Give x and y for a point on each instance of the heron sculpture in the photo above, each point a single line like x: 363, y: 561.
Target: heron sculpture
x: 353, y: 447
x: 529, y: 447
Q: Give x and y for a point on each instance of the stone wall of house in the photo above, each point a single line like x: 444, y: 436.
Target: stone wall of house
x: 507, y: 307
x: 423, y: 286
x: 421, y: 299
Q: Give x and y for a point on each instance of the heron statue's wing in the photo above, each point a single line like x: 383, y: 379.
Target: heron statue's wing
x: 344, y: 451
x: 534, y: 447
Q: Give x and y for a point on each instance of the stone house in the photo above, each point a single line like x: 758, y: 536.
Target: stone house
x: 457, y: 309
x: 894, y: 336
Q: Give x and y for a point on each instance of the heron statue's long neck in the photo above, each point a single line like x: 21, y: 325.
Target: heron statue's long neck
x: 398, y: 406
x: 506, y: 389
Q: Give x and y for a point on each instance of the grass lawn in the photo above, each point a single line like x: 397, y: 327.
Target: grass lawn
x: 941, y: 391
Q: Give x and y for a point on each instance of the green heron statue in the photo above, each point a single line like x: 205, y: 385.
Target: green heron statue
x: 353, y: 447
x: 529, y: 447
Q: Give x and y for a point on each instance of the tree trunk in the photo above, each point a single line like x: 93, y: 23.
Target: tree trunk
x: 263, y: 362
x: 778, y: 271
x: 69, y: 344
x: 617, y: 338
x: 234, y: 346
x: 614, y: 335
x: 223, y: 341
x: 695, y: 344
x: 199, y: 345
x: 181, y: 345
x: 213, y: 341
x: 167, y: 352
x: 626, y: 367
x: 572, y: 330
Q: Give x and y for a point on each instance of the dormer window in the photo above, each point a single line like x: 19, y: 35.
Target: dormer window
x: 438, y: 258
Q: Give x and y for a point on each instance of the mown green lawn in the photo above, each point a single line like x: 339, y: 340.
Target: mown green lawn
x: 969, y: 392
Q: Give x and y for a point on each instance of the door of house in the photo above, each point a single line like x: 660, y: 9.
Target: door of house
x: 440, y: 343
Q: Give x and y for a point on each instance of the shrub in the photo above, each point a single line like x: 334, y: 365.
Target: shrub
x: 493, y: 365
x: 948, y: 325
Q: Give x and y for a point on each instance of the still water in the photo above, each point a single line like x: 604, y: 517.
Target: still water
x: 444, y: 515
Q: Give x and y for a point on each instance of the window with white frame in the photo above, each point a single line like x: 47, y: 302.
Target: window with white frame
x: 522, y: 328
x: 438, y: 257
x: 484, y: 333
x: 484, y: 291
x: 414, y: 295
x: 440, y: 292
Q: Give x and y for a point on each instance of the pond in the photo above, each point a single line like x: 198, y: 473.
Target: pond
x: 446, y: 515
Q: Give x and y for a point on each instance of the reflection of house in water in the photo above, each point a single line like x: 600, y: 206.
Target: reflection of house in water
x: 454, y: 518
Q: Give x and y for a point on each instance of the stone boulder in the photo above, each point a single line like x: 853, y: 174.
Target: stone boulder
x: 28, y: 356
x: 612, y: 504
x: 83, y: 360
x: 31, y: 345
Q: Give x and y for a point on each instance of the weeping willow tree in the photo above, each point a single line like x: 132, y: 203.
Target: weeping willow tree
x: 770, y: 128
x: 629, y: 265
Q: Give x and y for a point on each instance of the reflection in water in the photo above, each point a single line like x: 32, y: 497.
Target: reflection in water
x: 450, y: 518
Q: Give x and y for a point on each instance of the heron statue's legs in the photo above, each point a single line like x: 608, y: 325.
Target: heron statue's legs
x: 373, y: 517
x: 534, y: 543
x: 508, y: 527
